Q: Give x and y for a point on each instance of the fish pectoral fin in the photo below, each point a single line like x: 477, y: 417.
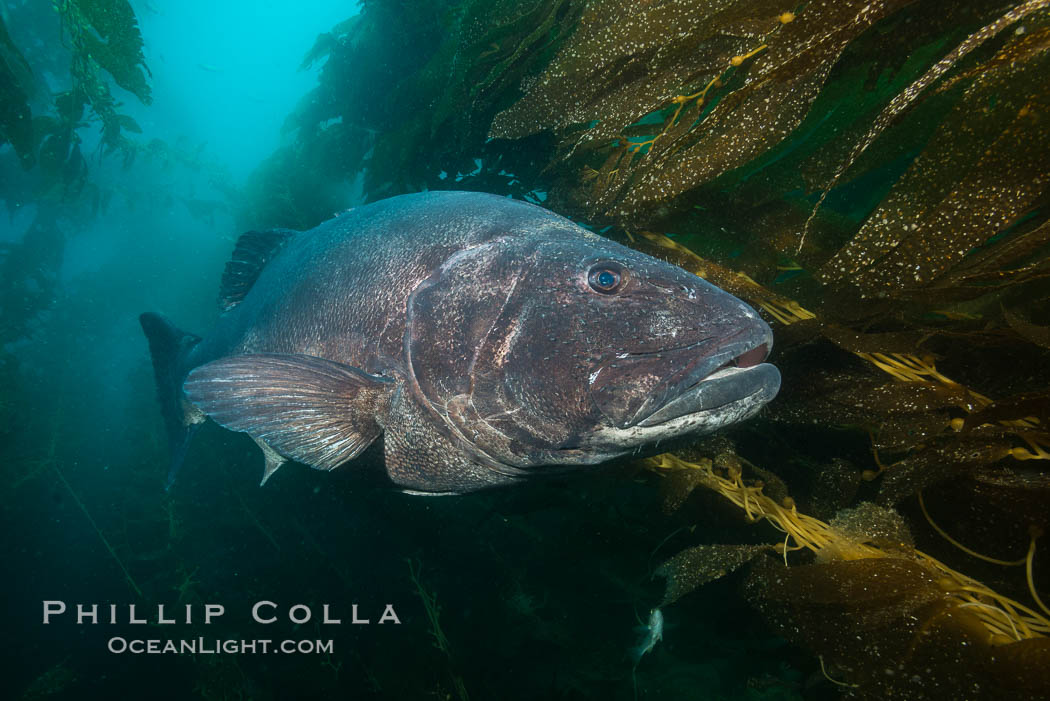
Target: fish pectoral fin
x: 311, y: 410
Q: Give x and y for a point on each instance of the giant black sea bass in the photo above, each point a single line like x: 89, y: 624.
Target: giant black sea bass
x: 487, y: 340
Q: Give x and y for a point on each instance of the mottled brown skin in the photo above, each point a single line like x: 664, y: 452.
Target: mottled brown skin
x: 476, y: 341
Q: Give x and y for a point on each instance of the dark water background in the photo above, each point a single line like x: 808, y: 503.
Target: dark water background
x: 540, y: 588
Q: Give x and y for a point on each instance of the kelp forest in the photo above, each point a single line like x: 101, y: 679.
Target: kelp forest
x: 872, y: 176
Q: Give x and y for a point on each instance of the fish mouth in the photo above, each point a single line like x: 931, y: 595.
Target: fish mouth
x: 733, y: 372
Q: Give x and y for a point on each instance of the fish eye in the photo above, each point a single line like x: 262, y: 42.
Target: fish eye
x: 607, y: 278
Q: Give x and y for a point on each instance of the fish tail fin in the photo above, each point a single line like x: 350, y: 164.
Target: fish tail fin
x: 168, y: 346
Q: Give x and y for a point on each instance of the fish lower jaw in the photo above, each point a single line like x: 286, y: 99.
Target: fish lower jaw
x: 624, y: 440
x: 719, y: 393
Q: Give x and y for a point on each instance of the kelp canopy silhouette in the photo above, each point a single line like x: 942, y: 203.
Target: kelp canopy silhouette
x: 99, y: 37
x: 102, y: 37
x: 86, y: 46
x: 872, y: 174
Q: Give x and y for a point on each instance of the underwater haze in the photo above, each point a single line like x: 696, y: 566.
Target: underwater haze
x: 227, y: 74
x: 871, y: 177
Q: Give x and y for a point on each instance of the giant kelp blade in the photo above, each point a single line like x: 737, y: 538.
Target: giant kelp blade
x: 16, y: 119
x: 885, y: 628
x: 598, y: 79
x: 984, y: 168
x: 112, y: 37
x: 775, y: 96
x: 693, y: 567
x: 627, y: 59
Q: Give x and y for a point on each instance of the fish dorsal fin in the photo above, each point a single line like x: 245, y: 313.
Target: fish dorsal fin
x: 253, y: 251
x: 311, y: 410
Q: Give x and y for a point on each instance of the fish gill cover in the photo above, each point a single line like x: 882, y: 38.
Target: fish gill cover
x: 873, y: 175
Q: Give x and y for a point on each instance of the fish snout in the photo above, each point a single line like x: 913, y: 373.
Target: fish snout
x: 651, y: 388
